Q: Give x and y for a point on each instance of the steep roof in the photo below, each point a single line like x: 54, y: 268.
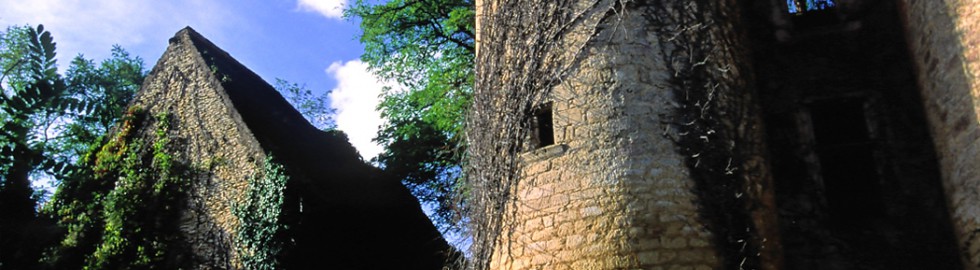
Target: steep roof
x: 340, y: 210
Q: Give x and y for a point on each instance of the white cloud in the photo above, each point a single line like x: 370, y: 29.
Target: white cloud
x: 355, y: 99
x: 333, y: 9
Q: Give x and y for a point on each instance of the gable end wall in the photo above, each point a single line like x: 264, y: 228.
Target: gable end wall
x: 213, y: 139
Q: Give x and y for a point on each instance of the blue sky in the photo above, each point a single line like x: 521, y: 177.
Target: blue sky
x: 302, y: 41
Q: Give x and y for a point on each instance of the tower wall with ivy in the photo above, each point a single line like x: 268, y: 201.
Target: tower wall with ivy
x: 657, y: 157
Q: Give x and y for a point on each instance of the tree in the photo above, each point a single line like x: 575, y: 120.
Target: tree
x: 427, y: 46
x: 109, y: 87
x: 78, y: 204
x: 48, y: 122
x: 31, y: 91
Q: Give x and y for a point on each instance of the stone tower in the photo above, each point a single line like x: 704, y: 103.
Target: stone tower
x: 667, y: 135
x: 632, y: 143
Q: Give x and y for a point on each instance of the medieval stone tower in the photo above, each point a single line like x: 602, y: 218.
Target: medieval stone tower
x: 728, y: 134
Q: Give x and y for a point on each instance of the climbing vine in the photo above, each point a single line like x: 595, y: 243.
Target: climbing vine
x: 519, y: 60
x: 258, y: 238
x: 714, y: 119
x: 525, y: 53
x: 121, y: 211
x: 141, y: 211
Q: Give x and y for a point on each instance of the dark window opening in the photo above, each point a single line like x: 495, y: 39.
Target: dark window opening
x: 845, y: 151
x: 543, y: 125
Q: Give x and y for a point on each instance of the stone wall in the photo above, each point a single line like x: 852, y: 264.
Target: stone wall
x: 615, y: 191
x: 214, y: 142
x: 336, y: 209
x: 944, y: 37
x: 612, y: 193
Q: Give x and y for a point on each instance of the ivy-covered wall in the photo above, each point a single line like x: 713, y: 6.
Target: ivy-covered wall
x: 658, y: 158
x: 121, y: 210
x: 660, y: 143
x: 187, y: 180
x: 160, y: 192
x: 261, y: 234
x: 213, y: 140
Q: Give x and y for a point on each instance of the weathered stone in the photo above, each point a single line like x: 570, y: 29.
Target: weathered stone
x: 340, y: 212
x: 617, y: 113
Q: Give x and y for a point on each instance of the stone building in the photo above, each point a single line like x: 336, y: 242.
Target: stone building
x: 749, y: 134
x: 228, y: 123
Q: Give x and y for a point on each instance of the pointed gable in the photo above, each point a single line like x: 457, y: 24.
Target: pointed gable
x: 228, y: 122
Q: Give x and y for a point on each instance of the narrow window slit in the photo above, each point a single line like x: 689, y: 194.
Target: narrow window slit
x: 543, y: 125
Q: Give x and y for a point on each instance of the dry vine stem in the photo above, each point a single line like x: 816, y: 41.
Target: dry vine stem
x: 520, y: 59
x: 528, y: 48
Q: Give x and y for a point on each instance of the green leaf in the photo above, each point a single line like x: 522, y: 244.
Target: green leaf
x: 427, y: 47
x: 48, y: 43
x: 33, y: 34
x: 17, y: 104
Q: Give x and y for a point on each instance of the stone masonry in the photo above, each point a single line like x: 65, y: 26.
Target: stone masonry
x: 614, y: 190
x: 183, y: 85
x: 337, y: 210
x: 944, y: 37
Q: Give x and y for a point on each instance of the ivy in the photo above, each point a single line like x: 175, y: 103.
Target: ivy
x: 121, y: 212
x: 140, y: 210
x: 107, y: 158
x: 257, y: 242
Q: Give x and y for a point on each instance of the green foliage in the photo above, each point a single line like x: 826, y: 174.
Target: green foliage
x: 30, y: 91
x: 14, y: 48
x: 428, y: 47
x: 51, y: 119
x: 47, y: 123
x: 258, y: 239
x: 108, y: 88
x: 140, y: 212
x: 78, y: 204
x: 121, y: 212
x: 313, y: 107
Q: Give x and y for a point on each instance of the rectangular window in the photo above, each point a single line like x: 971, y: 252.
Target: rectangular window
x: 543, y: 124
x: 846, y: 149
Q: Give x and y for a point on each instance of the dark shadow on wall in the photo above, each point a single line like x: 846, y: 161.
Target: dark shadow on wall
x: 857, y: 178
